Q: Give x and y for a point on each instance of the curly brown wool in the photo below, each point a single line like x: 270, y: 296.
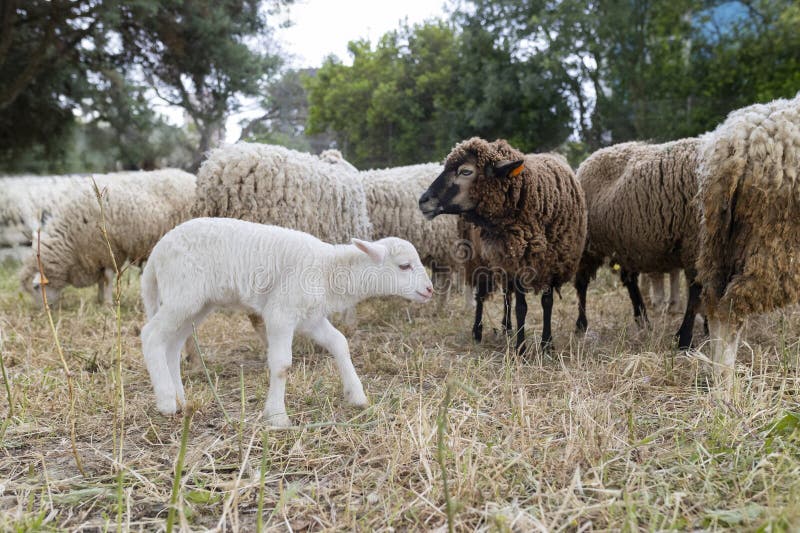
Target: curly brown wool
x: 642, y: 215
x: 640, y: 202
x: 534, y: 224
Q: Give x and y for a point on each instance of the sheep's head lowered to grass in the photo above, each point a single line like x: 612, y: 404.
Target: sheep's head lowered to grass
x: 474, y: 172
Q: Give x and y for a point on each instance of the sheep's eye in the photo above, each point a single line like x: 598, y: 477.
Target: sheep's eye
x: 405, y: 266
x: 465, y: 172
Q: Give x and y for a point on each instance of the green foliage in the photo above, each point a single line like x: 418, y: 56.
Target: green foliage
x: 425, y: 87
x: 74, y: 72
x: 196, y: 55
x: 285, y: 116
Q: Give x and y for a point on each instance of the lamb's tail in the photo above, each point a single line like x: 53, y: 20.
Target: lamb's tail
x: 149, y: 290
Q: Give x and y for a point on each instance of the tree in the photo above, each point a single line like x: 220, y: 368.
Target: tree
x: 425, y: 87
x: 65, y: 64
x: 196, y: 55
x: 285, y: 116
x: 44, y: 62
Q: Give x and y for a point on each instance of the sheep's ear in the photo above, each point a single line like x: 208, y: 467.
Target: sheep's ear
x: 376, y: 252
x: 505, y: 169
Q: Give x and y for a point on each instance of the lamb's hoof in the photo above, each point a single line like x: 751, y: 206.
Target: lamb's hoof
x: 167, y: 407
x: 581, y: 326
x: 278, y: 420
x: 356, y: 398
x: 546, y: 348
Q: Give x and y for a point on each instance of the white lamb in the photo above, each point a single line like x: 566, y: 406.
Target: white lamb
x: 290, y: 278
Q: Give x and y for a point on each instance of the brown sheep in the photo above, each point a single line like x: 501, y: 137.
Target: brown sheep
x: 643, y: 216
x: 531, y: 214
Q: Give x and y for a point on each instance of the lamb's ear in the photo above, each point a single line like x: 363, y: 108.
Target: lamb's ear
x: 504, y: 169
x: 376, y: 252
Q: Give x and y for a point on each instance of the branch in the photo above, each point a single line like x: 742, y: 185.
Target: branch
x: 7, y: 31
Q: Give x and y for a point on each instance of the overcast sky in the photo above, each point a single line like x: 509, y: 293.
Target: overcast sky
x: 322, y: 27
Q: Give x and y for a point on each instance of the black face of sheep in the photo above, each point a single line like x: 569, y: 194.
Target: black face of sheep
x: 450, y: 192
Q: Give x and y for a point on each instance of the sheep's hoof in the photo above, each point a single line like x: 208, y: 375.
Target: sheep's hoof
x: 581, y: 325
x: 356, y: 398
x: 684, y: 341
x: 546, y: 347
x: 477, y: 336
x: 278, y: 420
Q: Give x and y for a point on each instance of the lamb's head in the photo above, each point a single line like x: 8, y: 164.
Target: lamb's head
x: 476, y: 177
x: 395, y: 270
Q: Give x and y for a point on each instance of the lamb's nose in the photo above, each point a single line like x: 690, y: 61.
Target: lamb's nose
x: 429, y: 290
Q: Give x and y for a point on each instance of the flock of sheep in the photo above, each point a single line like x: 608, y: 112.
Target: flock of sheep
x: 721, y: 207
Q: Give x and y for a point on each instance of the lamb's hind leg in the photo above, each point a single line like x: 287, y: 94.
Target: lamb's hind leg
x: 155, y: 343
x: 173, y: 353
x: 323, y: 333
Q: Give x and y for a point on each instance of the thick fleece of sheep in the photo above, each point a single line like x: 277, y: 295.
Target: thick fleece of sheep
x: 392, y: 200
x: 534, y: 222
x: 274, y: 185
x: 749, y: 259
x: 25, y: 199
x: 139, y: 208
x: 640, y: 202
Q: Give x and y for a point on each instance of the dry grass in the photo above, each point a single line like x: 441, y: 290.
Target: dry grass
x: 609, y: 433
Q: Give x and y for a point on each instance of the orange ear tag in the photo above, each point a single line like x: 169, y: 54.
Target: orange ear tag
x: 517, y: 171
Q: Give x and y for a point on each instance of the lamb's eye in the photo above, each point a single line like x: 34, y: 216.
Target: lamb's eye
x: 405, y: 266
x: 465, y: 172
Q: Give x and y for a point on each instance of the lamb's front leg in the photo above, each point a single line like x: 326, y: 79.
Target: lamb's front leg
x: 279, y: 359
x: 323, y: 333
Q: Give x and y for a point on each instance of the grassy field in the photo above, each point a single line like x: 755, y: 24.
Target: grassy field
x: 613, y: 431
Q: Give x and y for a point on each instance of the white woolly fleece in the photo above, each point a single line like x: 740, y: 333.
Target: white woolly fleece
x: 292, y: 279
x: 274, y: 185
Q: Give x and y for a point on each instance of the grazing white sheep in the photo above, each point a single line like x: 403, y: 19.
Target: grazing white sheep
x: 290, y: 278
x: 140, y: 207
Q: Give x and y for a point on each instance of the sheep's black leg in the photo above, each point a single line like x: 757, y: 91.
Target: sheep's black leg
x: 631, y: 282
x: 586, y: 271
x: 547, y: 314
x: 521, y: 312
x: 481, y: 291
x: 692, y: 303
x: 508, y: 297
x: 705, y: 326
